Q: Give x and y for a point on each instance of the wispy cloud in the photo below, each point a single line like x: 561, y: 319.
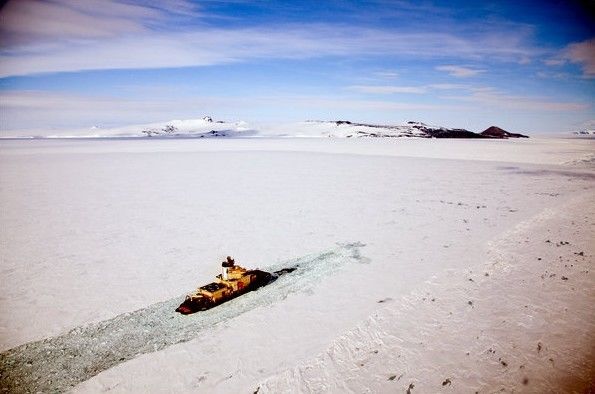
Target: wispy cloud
x: 460, y: 71
x: 498, y: 99
x: 447, y: 86
x: 35, y: 22
x: 49, y: 110
x: 220, y: 46
x: 524, y: 60
x: 554, y: 75
x: 391, y: 89
x: 583, y: 53
x: 39, y: 37
x: 42, y: 111
x: 38, y: 112
x: 386, y: 74
x: 553, y: 62
x: 388, y: 89
x: 478, y: 95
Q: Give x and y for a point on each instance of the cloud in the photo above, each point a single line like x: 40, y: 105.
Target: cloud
x: 493, y: 98
x: 388, y: 89
x: 34, y: 22
x: 554, y: 62
x: 387, y: 74
x: 554, y: 75
x: 41, y: 112
x: 460, y: 71
x: 63, y: 36
x: 486, y: 96
x: 211, y: 46
x: 447, y: 86
x: 583, y: 53
x: 47, y: 110
x: 524, y: 60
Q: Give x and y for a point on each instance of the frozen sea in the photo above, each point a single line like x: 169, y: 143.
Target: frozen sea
x: 97, y: 230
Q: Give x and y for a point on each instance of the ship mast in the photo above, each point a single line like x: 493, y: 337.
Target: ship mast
x: 225, y: 266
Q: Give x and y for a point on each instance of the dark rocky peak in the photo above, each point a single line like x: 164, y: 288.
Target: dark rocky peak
x: 497, y: 132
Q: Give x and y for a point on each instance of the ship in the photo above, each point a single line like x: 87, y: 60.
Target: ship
x: 232, y: 282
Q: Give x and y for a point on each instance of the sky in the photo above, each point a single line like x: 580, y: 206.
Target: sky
x: 526, y: 66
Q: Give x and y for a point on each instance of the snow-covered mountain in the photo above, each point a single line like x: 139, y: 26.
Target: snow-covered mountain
x: 347, y: 129
x: 206, y: 127
x: 584, y: 132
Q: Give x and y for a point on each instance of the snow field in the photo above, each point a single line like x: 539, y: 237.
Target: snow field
x: 102, y: 228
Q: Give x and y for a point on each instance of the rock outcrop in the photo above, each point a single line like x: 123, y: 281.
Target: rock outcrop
x: 497, y: 132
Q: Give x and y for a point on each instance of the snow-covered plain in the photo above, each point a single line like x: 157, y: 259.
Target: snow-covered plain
x: 95, y: 229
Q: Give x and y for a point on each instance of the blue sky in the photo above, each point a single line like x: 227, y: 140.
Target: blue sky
x: 525, y: 66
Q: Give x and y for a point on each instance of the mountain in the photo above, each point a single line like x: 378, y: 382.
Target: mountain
x: 497, y: 132
x: 206, y: 127
x: 584, y: 132
x: 347, y: 129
